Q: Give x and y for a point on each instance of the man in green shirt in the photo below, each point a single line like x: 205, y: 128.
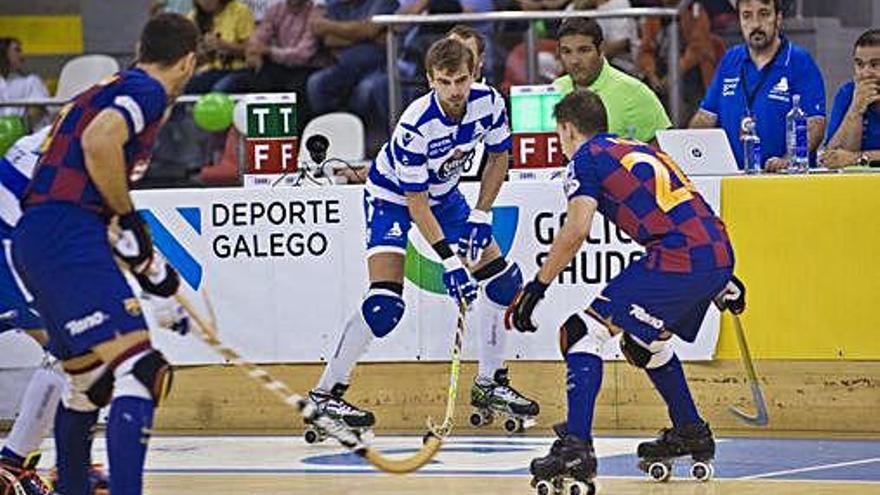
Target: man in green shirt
x: 634, y: 110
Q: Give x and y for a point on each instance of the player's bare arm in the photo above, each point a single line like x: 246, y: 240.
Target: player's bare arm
x: 578, y: 219
x: 420, y: 211
x: 493, y: 178
x: 102, y: 143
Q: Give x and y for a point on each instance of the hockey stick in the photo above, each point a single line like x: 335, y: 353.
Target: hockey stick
x: 445, y: 428
x: 761, y: 418
x: 208, y: 334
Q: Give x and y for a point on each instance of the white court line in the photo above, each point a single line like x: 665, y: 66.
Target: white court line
x: 811, y: 468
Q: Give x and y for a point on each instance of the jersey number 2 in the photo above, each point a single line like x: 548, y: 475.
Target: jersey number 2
x: 667, y: 197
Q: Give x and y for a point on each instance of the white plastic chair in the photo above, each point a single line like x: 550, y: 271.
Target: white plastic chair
x: 80, y: 73
x: 345, y: 132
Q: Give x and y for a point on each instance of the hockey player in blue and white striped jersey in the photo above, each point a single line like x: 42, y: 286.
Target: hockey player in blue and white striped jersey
x: 415, y: 179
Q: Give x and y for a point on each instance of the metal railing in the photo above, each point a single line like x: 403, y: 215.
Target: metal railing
x: 394, y: 101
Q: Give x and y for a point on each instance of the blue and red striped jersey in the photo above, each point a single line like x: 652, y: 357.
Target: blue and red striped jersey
x: 61, y: 174
x: 644, y: 192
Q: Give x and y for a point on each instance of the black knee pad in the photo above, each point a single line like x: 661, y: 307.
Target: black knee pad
x: 573, y: 330
x: 101, y: 391
x: 154, y: 371
x: 635, y: 353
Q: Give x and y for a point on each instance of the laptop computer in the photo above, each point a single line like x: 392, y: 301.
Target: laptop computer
x: 699, y: 151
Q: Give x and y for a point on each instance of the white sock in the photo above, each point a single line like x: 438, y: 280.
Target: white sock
x: 492, y: 337
x: 37, y: 412
x: 352, y: 344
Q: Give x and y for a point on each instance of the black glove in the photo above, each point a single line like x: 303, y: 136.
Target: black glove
x: 160, y: 279
x: 133, y: 243
x: 732, y: 297
x: 519, y: 313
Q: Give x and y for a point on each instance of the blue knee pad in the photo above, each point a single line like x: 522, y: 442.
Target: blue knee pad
x: 382, y: 310
x: 502, y: 288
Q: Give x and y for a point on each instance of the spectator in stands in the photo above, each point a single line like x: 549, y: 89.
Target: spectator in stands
x: 182, y: 7
x: 854, y: 131
x: 283, y: 52
x: 756, y: 80
x: 356, y: 43
x: 621, y: 33
x: 700, y: 50
x: 633, y: 109
x: 226, y: 26
x: 15, y: 84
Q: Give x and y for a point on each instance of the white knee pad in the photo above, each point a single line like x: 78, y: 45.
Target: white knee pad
x: 647, y: 356
x: 582, y: 333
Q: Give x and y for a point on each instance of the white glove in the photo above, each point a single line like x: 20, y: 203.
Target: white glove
x: 168, y: 313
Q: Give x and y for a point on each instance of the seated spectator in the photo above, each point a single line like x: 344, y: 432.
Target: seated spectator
x: 756, y: 81
x: 633, y: 109
x: 226, y: 26
x: 260, y: 8
x: 621, y: 33
x: 853, y: 136
x: 700, y: 50
x: 15, y: 84
x: 283, y: 52
x: 356, y: 45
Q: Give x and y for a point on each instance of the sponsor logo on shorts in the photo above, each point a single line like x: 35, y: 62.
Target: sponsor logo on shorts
x: 132, y: 306
x: 76, y: 327
x: 643, y: 316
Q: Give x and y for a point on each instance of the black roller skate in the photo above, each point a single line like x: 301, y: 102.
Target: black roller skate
x: 695, y: 440
x: 333, y: 405
x: 569, y: 468
x: 499, y: 397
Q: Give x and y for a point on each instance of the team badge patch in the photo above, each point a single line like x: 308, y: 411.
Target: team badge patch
x: 132, y: 306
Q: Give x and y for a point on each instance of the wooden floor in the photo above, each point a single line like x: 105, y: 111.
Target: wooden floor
x: 461, y: 485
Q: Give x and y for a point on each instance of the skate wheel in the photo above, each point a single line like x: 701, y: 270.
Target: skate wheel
x: 513, y: 425
x: 702, y: 471
x: 544, y: 487
x: 311, y: 436
x: 660, y: 471
x: 476, y: 420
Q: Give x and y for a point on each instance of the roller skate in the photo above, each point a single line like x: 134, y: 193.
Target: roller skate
x: 569, y: 468
x: 333, y: 405
x: 22, y: 479
x: 657, y: 457
x: 498, y: 397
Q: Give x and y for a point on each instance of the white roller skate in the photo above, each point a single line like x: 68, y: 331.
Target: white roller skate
x: 498, y: 397
x: 333, y: 405
x: 657, y: 457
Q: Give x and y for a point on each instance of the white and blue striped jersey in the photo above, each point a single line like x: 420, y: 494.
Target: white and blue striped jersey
x: 16, y: 171
x: 428, y: 151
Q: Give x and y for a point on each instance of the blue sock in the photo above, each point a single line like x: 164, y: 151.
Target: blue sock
x: 670, y: 382
x: 11, y: 457
x: 583, y: 382
x: 73, y: 433
x: 128, y: 431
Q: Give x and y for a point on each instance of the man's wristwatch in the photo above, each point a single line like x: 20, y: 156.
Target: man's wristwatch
x: 863, y: 160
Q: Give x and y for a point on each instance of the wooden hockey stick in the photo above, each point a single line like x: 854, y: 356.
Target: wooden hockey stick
x: 208, y: 334
x: 445, y: 428
x: 761, y: 418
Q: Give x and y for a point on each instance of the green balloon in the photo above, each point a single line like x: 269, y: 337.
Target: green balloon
x: 11, y: 130
x: 213, y: 112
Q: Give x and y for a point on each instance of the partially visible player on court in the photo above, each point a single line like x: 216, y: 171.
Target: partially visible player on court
x: 688, y: 263
x: 100, y: 142
x: 415, y: 179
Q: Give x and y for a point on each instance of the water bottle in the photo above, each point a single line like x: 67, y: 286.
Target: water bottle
x: 751, y: 143
x: 796, y: 137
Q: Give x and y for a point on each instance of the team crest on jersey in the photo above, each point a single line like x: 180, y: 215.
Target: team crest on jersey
x: 132, y: 306
x: 453, y: 166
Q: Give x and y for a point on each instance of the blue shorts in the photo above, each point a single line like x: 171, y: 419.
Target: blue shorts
x: 388, y: 223
x: 644, y: 302
x: 62, y: 254
x: 16, y: 312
